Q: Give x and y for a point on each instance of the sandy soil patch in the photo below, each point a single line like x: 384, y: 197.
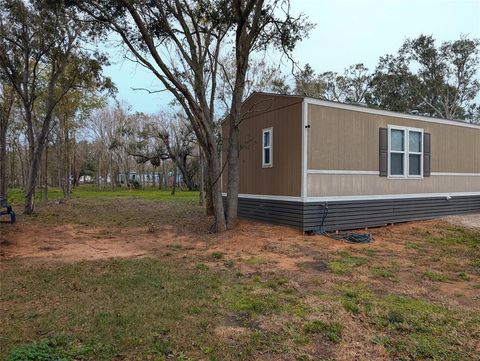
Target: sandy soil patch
x: 470, y: 220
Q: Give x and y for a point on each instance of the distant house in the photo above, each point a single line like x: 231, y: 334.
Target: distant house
x: 303, y: 159
x: 148, y: 178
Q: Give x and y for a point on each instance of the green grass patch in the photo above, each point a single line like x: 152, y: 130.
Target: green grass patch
x: 54, y: 348
x: 412, y: 245
x: 332, y: 331
x: 137, y: 309
x: 409, y: 328
x: 389, y: 272
x: 418, y: 329
x: 111, y: 309
x: 16, y: 196
x: 256, y: 261
x: 217, y: 255
x: 464, y: 277
x: 435, y: 276
x: 344, y: 263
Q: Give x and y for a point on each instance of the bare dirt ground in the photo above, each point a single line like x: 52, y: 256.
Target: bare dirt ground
x: 470, y: 221
x: 252, y: 245
x: 426, y: 260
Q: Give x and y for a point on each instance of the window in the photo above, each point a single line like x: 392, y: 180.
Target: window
x: 405, y: 152
x: 267, y: 147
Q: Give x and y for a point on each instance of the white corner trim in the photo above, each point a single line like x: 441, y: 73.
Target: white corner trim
x: 303, y: 184
x: 455, y: 174
x: 387, y: 113
x: 343, y: 172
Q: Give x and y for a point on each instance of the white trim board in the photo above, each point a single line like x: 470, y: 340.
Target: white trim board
x: 268, y: 197
x: 356, y: 198
x: 387, y: 113
x: 455, y: 174
x: 392, y: 196
x: 340, y: 172
x: 374, y: 172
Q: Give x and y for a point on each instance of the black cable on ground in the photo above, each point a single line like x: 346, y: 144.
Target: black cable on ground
x: 350, y: 237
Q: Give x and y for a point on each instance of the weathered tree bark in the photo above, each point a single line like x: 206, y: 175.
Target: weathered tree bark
x: 45, y: 185
x: 181, y: 162
x: 32, y: 177
x: 174, y: 183
x: 3, y: 161
x: 201, y: 182
x: 6, y: 105
x: 248, y: 26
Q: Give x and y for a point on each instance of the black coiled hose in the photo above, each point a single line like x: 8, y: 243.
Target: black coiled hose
x: 350, y: 237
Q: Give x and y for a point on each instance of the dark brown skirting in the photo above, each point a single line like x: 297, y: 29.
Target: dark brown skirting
x: 343, y: 215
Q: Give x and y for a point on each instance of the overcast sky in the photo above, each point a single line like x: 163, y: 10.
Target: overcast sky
x: 346, y: 32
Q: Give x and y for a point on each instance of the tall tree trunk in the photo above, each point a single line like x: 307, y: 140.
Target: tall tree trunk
x: 3, y: 162
x: 201, y: 182
x: 214, y: 169
x: 32, y: 178
x: 45, y: 189
x: 175, y: 173
x: 181, y: 162
x: 242, y: 52
x: 233, y: 184
x: 6, y: 106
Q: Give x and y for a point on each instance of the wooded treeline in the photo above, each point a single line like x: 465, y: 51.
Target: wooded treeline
x: 423, y: 77
x: 59, y: 122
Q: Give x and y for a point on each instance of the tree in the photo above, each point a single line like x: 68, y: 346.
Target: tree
x: 112, y: 128
x: 352, y: 87
x: 178, y: 138
x: 426, y: 79
x: 309, y: 84
x: 193, y: 32
x: 258, y: 24
x: 41, y: 55
x: 7, y: 98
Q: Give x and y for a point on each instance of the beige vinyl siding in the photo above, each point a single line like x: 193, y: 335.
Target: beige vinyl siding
x: 330, y: 185
x: 284, y: 115
x: 340, y: 139
x: 347, y: 140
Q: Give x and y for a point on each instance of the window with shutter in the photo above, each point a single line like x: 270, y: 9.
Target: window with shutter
x: 406, y: 155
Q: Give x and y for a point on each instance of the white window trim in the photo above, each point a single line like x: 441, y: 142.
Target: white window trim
x: 270, y: 146
x: 406, y: 152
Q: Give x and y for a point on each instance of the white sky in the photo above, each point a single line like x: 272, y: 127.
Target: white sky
x: 346, y: 32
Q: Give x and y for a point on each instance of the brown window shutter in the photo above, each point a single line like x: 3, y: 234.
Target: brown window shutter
x: 426, y: 154
x: 383, y: 141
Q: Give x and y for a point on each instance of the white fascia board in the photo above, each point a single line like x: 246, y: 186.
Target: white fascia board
x: 387, y: 113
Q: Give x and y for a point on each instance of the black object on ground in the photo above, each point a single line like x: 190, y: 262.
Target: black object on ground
x: 8, y: 210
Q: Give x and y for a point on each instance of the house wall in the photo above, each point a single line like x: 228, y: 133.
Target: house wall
x: 284, y: 115
x: 346, y: 140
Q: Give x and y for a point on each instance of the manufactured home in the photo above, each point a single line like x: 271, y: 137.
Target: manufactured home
x: 307, y: 162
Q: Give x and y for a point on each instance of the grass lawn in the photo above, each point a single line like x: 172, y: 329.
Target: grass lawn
x: 119, y: 275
